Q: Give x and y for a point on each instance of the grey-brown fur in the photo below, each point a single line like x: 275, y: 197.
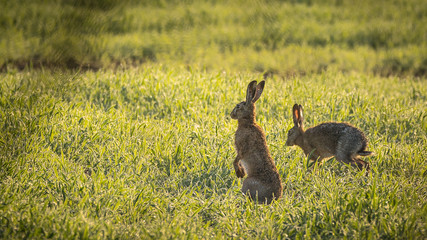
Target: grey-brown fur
x: 253, y: 157
x: 326, y: 140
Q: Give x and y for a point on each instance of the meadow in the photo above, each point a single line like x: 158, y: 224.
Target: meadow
x: 114, y: 118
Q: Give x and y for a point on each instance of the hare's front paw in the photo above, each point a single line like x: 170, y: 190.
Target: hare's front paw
x: 240, y: 172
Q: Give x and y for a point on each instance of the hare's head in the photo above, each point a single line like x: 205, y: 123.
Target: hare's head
x: 246, y: 110
x: 297, y: 131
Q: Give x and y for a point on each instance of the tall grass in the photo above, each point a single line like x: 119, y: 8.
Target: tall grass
x: 147, y: 153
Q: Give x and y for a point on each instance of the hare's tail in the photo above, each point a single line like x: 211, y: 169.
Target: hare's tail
x: 365, y: 153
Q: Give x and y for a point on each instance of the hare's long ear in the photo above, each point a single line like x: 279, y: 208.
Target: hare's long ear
x: 259, y: 89
x: 295, y: 114
x: 250, y: 92
x: 300, y: 117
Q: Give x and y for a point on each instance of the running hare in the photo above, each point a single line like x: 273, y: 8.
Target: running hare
x: 253, y: 157
x: 326, y: 140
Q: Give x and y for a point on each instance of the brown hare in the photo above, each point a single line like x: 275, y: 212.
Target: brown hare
x: 253, y: 157
x: 326, y: 140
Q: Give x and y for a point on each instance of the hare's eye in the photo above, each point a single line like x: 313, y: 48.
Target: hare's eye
x: 237, y: 106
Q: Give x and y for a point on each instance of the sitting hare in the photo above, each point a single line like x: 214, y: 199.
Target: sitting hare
x: 326, y: 140
x: 253, y: 157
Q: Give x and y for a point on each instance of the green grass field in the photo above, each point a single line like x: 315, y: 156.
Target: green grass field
x: 114, y: 121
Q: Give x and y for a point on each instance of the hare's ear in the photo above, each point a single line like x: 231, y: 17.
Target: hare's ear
x: 300, y: 117
x: 259, y: 89
x: 250, y: 92
x: 295, y: 114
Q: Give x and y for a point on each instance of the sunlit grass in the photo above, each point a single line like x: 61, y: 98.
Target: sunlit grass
x: 147, y: 153
x: 143, y: 148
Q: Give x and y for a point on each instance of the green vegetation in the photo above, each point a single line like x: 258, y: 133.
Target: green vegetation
x: 143, y: 147
x: 282, y: 37
x: 148, y: 153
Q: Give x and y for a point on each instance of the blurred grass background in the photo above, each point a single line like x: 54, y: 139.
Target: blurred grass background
x: 281, y: 37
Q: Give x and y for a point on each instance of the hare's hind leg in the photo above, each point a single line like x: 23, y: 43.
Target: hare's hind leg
x: 361, y: 164
x: 256, y: 190
x: 346, y: 151
x: 344, y: 157
x: 353, y: 161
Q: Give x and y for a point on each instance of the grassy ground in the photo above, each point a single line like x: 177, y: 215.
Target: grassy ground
x: 147, y: 153
x: 143, y: 147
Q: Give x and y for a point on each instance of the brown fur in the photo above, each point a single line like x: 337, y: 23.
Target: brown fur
x: 253, y: 157
x: 326, y: 140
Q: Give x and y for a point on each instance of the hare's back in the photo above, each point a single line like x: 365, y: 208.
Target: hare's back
x: 325, y: 134
x: 331, y: 133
